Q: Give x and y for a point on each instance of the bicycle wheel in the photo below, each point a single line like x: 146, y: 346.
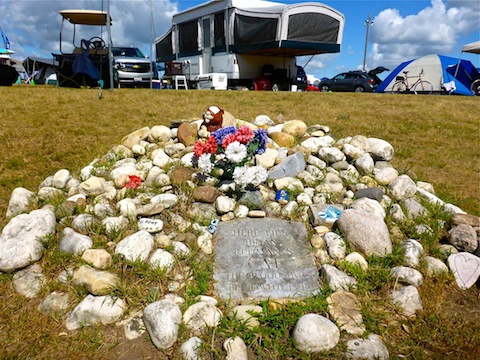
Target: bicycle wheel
x: 424, y: 87
x: 399, y: 88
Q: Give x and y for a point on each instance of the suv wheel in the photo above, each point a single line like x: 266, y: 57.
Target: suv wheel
x: 324, y: 88
x: 359, y: 89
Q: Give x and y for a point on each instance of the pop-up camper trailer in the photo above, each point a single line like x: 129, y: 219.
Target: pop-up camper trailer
x: 247, y: 39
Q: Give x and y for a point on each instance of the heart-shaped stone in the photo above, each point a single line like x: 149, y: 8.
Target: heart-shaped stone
x: 466, y: 269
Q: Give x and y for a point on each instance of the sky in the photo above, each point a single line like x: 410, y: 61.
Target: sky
x: 400, y: 30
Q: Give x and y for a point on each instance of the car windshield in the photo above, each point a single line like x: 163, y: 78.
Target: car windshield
x: 128, y: 52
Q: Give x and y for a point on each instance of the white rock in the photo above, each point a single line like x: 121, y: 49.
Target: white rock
x: 380, y: 149
x: 288, y: 183
x: 263, y: 120
x: 92, y: 186
x: 466, y: 269
x: 136, y: 246
x: 337, y: 279
x: 20, y: 201
x: 190, y: 349
x: 159, y: 133
x: 369, y: 205
x: 385, y: 176
x: 133, y: 326
x: 115, y: 223
x: 95, y: 310
x: 352, y: 152
x: 435, y: 266
x: 224, y: 204
x: 61, y: 178
x: 21, y: 239
x: 236, y: 349
x: 103, y: 210
x: 98, y: 258
x: 357, y: 259
x: 314, y: 333
x: 162, y: 259
x: 160, y: 158
x: 74, y: 243
x: 97, y: 282
x: 402, y: 188
x: 267, y: 159
x: 407, y: 275
x: 55, y: 304
x: 201, y: 315
x: 127, y: 208
x: 241, y: 211
x: 412, y: 250
x: 365, y: 165
x: 331, y: 155
x: 84, y: 222
x: 205, y: 243
x: 371, y: 348
x: 29, y: 281
x: 180, y: 249
x: 408, y: 299
x: 49, y: 193
x: 150, y: 225
x: 168, y: 200
x: 162, y: 319
x: 314, y: 144
x: 335, y: 245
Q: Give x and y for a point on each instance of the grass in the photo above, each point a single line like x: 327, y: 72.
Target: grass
x: 45, y: 129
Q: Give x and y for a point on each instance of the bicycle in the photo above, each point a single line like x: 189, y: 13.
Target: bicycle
x: 401, y: 85
x: 475, y: 87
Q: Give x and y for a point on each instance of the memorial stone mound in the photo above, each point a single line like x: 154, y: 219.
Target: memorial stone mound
x: 263, y: 258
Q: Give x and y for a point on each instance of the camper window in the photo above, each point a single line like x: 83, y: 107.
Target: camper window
x: 313, y: 27
x: 187, y: 37
x: 219, y: 30
x: 164, y: 48
x: 250, y: 30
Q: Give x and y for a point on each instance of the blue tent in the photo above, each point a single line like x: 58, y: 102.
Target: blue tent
x: 437, y: 69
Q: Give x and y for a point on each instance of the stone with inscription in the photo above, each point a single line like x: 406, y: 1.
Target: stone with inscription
x: 263, y: 258
x: 465, y: 268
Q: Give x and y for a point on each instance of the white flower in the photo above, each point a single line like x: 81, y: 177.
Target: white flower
x: 254, y: 175
x: 236, y: 152
x: 204, y: 163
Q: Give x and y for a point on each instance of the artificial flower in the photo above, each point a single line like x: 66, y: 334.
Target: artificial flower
x: 204, y: 163
x: 244, y: 134
x: 236, y: 152
x: 134, y: 182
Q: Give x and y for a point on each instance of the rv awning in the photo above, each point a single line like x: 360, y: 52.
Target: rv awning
x: 86, y: 17
x: 472, y: 48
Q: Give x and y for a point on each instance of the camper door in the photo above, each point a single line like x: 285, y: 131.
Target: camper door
x: 206, y: 33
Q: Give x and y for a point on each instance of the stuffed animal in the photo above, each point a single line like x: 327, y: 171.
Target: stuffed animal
x: 213, y: 118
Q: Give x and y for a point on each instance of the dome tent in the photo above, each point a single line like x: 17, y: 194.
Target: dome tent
x: 438, y: 70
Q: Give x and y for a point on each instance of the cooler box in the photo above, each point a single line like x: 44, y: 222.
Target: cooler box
x: 212, y: 81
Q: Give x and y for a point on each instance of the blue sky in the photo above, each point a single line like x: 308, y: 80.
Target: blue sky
x: 401, y: 30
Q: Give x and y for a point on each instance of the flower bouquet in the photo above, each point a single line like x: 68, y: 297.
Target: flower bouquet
x: 228, y: 152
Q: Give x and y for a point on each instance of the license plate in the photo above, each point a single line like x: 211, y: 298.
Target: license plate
x: 137, y: 79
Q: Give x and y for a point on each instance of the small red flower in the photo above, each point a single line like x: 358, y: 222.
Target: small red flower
x: 211, y: 145
x: 134, y: 182
x: 227, y: 140
x: 244, y: 134
x: 198, y: 148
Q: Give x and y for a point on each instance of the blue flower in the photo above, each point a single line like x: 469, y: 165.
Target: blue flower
x: 260, y: 138
x: 220, y: 134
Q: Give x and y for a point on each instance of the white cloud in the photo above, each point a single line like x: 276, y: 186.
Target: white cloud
x: 33, y: 27
x: 434, y: 30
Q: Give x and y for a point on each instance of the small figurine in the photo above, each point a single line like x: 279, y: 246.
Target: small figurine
x: 281, y: 196
x: 213, y: 118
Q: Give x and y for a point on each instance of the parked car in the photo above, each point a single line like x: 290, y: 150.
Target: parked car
x: 357, y: 81
x: 132, y: 67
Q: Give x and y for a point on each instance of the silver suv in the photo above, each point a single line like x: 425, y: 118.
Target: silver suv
x: 132, y: 67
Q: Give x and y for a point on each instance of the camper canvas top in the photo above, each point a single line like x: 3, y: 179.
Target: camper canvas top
x: 86, y: 17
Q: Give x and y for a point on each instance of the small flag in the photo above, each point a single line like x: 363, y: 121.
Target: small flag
x: 7, y: 43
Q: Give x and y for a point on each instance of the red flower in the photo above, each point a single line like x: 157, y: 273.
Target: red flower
x: 210, y: 146
x: 134, y: 182
x: 198, y: 148
x: 244, y: 134
x: 227, y: 140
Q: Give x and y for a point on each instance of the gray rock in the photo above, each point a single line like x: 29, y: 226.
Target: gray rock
x: 289, y: 167
x: 85, y: 222
x: 96, y: 310
x: 412, y: 250
x: 29, y: 281
x: 435, y: 266
x: 314, y: 333
x: 136, y: 246
x: 397, y: 213
x: 413, y: 208
x: 408, y: 299
x: 162, y: 320
x: 402, y: 188
x: 371, y: 348
x: 21, y: 239
x: 252, y: 199
x: 133, y: 326
x: 365, y: 165
x: 337, y: 279
x: 463, y: 237
x: 74, y: 243
x: 115, y: 224
x: 20, y: 201
x: 373, y: 193
x: 55, y: 304
x: 365, y: 232
x: 407, y: 275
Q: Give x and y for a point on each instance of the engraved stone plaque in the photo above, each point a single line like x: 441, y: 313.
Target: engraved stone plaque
x: 263, y: 258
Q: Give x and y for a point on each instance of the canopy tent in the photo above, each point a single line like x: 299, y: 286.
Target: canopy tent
x: 473, y: 47
x: 437, y: 69
x: 255, y: 27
